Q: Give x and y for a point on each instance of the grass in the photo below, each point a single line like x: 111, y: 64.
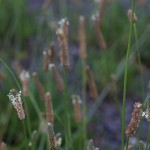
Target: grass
x: 32, y: 133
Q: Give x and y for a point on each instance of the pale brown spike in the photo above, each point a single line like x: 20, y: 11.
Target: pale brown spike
x: 49, y: 108
x: 134, y: 19
x: 82, y: 38
x: 102, y: 9
x: 52, y: 52
x: 99, y: 35
x: 59, y: 79
x: 24, y: 78
x: 39, y: 86
x: 91, y: 84
x: 136, y: 116
x: 77, y: 108
x: 46, y: 60
x: 62, y: 33
x: 64, y: 58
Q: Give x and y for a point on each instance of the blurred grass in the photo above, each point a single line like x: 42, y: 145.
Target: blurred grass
x: 20, y: 26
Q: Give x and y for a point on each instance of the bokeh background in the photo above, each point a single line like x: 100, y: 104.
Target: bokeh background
x: 27, y: 27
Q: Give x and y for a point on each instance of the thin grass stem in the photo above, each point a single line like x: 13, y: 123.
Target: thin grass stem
x: 67, y: 104
x: 127, y: 143
x: 125, y: 79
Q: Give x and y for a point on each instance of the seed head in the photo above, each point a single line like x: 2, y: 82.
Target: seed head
x: 99, y: 34
x: 24, y: 77
x: 59, y: 79
x: 91, y: 83
x: 49, y: 108
x: 15, y: 98
x: 136, y: 116
x: 77, y: 108
x: 51, y: 136
x: 62, y: 33
x: 39, y: 86
x: 132, y: 18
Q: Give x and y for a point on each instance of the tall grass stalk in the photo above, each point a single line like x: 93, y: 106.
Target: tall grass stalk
x: 125, y: 79
x: 67, y: 111
x: 84, y: 107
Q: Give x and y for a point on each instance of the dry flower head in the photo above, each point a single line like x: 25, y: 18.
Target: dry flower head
x: 15, y: 98
x: 136, y: 116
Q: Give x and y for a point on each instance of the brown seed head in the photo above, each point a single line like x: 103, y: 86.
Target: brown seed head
x: 136, y: 116
x: 49, y: 108
x: 91, y: 83
x: 51, y: 136
x: 77, y: 108
x: 62, y: 33
x: 39, y: 86
x: 59, y: 79
x: 15, y: 98
x: 46, y: 60
x: 99, y: 34
x: 132, y: 18
x: 52, y: 52
x: 24, y: 77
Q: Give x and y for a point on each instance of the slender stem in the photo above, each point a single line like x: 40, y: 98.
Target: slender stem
x: 148, y: 138
x: 84, y: 78
x: 125, y: 79
x: 28, y: 119
x: 127, y: 143
x: 66, y: 99
x: 24, y: 129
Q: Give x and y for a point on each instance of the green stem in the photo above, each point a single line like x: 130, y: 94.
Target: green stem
x: 28, y: 118
x: 67, y: 120
x: 125, y: 79
x: 84, y: 107
x: 148, y: 138
x: 127, y: 143
x: 24, y: 129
